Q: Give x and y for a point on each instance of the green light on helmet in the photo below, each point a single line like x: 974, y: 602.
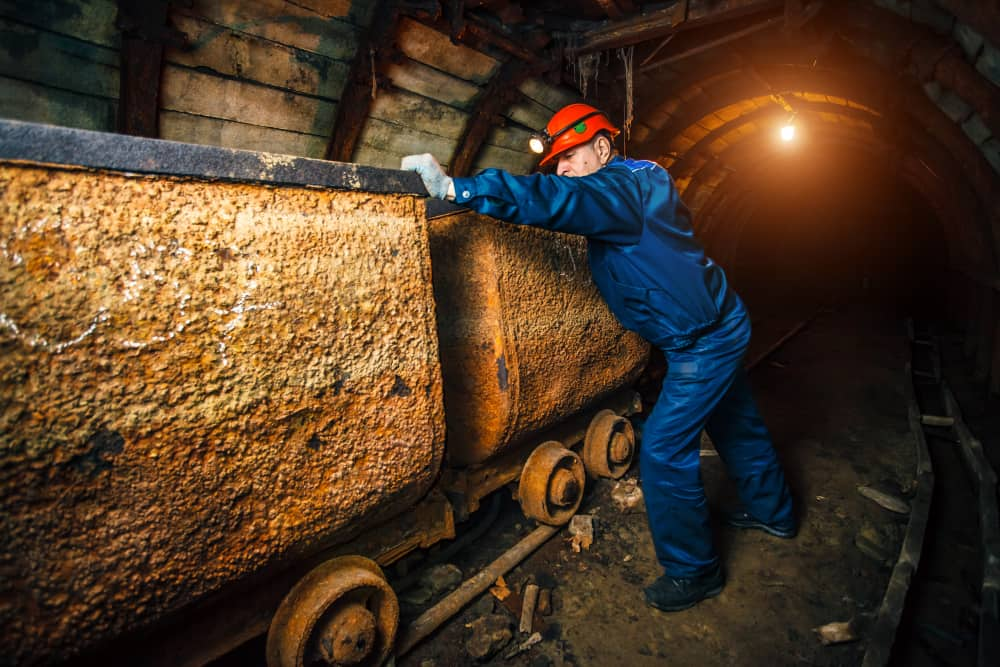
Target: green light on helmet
x: 580, y: 127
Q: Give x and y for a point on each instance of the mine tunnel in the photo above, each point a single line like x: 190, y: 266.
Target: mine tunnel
x: 266, y: 402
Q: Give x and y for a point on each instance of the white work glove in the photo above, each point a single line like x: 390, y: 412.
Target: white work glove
x: 437, y: 182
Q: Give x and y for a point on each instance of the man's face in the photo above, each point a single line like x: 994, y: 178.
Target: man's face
x: 581, y: 160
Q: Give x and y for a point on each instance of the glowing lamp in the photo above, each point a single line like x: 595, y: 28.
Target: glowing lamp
x: 788, y: 132
x: 537, y: 144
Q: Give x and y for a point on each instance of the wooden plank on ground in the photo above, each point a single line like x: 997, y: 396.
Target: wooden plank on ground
x: 34, y: 102
x: 423, y: 114
x: 415, y: 77
x: 253, y: 58
x: 51, y: 59
x: 287, y: 23
x: 87, y: 20
x: 202, y: 94
x: 178, y: 126
x: 383, y: 144
x: 430, y: 47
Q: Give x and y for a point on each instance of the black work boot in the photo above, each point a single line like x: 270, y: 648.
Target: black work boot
x: 741, y: 519
x: 676, y: 593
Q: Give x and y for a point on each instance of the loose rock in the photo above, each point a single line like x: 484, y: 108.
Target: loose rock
x: 627, y: 496
x: 836, y: 633
x: 490, y: 634
x: 441, y: 578
x: 581, y: 527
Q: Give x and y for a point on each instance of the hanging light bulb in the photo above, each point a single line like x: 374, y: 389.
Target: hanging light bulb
x: 788, y: 132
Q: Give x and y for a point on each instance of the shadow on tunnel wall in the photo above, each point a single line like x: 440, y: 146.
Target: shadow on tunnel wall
x: 833, y: 230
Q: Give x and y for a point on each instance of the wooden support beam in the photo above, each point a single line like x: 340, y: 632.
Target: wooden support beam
x: 670, y: 18
x: 362, y: 82
x: 501, y: 92
x: 144, y: 31
x: 476, y: 32
x: 713, y: 44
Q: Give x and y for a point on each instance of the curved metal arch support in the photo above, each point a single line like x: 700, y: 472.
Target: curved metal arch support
x: 906, y: 106
x: 688, y: 161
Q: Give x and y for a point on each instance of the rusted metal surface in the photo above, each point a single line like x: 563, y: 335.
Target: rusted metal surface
x: 526, y: 339
x: 609, y: 445
x: 100, y: 150
x: 551, y: 485
x: 199, y: 383
x: 342, y: 613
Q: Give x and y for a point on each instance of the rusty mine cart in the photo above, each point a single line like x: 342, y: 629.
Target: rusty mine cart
x: 227, y: 380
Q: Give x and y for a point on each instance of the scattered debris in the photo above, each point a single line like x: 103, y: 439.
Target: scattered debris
x: 876, y: 544
x: 490, y: 634
x: 500, y: 590
x: 544, y: 602
x: 581, y: 527
x: 523, y: 646
x: 837, y: 633
x: 627, y: 558
x: 528, y: 607
x: 627, y: 496
x: 885, y: 500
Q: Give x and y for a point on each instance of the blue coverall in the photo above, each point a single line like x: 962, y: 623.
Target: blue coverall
x: 658, y: 282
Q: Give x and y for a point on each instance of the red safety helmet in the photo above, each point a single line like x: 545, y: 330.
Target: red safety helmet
x: 571, y: 126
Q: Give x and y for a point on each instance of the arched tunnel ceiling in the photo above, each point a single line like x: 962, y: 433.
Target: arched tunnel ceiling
x: 857, y: 80
x: 913, y: 82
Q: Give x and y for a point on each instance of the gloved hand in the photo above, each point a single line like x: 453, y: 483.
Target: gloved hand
x: 435, y: 180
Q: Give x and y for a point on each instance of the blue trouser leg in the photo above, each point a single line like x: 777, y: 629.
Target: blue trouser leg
x: 699, y: 390
x: 744, y: 445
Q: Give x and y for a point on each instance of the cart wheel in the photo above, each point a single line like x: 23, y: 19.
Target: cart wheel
x: 342, y: 613
x: 609, y: 445
x: 551, y: 485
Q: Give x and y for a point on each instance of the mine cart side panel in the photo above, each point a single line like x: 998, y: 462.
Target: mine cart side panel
x: 526, y: 338
x: 199, y: 382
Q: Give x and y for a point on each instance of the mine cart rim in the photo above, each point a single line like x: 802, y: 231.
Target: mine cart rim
x: 537, y: 476
x: 343, y: 584
x: 599, y: 443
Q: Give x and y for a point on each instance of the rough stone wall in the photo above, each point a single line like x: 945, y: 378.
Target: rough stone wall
x: 198, y: 381
x: 526, y: 338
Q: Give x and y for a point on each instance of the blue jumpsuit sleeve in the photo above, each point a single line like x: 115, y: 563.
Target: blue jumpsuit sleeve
x: 606, y: 205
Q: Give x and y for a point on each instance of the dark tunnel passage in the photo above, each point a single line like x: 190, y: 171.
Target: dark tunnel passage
x: 820, y: 227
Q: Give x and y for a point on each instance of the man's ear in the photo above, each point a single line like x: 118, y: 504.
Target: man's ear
x: 603, y: 148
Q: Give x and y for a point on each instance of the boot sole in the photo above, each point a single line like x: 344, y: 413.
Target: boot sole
x: 686, y: 605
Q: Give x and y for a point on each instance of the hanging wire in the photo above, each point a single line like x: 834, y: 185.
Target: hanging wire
x: 627, y: 57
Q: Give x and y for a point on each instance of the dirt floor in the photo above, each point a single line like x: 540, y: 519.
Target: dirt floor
x: 833, y: 398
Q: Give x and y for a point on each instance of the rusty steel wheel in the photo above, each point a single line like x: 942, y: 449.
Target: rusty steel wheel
x: 551, y: 485
x: 342, y: 613
x: 609, y: 445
